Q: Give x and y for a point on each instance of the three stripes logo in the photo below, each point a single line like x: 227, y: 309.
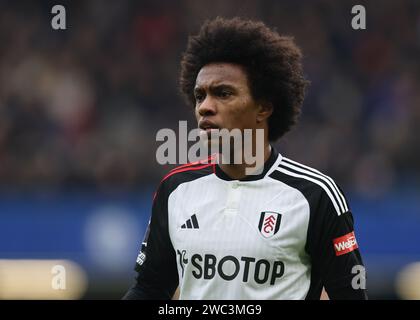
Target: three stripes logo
x: 191, y: 223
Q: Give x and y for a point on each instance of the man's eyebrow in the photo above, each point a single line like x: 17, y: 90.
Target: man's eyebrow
x: 216, y: 86
x: 198, y: 90
x: 223, y: 86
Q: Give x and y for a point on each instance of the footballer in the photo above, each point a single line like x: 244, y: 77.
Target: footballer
x: 216, y: 232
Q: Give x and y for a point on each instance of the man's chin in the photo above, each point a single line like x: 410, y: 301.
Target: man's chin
x: 212, y: 140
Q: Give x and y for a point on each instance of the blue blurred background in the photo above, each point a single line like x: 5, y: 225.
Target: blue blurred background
x: 80, y: 109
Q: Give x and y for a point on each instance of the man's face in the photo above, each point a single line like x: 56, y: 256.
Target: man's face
x: 223, y: 98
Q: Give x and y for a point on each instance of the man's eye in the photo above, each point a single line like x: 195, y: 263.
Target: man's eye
x: 225, y: 93
x: 199, y: 97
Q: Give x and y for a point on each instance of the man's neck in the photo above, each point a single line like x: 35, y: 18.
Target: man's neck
x: 238, y: 171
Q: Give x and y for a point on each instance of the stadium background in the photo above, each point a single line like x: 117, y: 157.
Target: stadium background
x: 80, y: 108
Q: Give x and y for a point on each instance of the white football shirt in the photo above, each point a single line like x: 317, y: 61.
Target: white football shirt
x: 283, y: 234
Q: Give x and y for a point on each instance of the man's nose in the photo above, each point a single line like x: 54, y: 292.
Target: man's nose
x: 207, y: 107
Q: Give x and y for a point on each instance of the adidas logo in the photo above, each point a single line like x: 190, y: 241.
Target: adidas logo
x: 191, y: 223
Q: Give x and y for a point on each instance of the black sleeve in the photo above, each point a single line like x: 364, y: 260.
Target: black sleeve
x: 157, y: 275
x: 334, y: 251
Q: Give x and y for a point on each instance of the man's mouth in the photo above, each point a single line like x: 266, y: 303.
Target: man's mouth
x: 208, y: 126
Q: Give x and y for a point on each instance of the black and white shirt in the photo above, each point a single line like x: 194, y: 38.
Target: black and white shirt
x: 283, y: 234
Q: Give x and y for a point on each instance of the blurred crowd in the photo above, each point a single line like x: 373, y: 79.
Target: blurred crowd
x: 80, y: 108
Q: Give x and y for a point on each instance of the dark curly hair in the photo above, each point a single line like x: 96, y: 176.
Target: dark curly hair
x: 273, y: 65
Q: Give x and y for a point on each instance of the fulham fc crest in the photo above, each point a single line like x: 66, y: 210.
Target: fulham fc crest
x: 269, y: 223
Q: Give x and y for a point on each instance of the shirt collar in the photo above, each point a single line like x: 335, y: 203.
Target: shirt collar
x: 267, y: 166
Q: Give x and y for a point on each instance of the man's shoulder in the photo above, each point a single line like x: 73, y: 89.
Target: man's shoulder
x: 187, y: 172
x: 312, y: 183
x: 294, y: 171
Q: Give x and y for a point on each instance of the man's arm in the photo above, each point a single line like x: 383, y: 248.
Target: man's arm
x: 335, y: 253
x: 157, y: 276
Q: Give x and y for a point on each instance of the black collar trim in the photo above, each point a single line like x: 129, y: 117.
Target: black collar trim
x: 267, y: 166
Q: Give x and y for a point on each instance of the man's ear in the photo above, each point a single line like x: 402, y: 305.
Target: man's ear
x: 265, y: 109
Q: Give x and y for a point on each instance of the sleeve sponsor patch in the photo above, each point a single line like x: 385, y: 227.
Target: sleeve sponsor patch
x: 345, y: 244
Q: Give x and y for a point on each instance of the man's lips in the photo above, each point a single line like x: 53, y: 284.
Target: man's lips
x: 207, y: 125
x: 209, y: 130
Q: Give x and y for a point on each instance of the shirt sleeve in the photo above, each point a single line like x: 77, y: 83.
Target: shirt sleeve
x: 335, y: 253
x: 157, y: 276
